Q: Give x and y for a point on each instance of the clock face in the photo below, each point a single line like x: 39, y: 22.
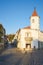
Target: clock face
x: 32, y: 20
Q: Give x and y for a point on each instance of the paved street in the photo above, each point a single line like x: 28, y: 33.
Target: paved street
x: 12, y: 56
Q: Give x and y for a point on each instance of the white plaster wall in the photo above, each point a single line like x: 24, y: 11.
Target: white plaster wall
x: 35, y: 27
x: 22, y: 39
x: 34, y: 43
x: 21, y: 42
x: 40, y: 36
x: 35, y: 34
x: 36, y: 24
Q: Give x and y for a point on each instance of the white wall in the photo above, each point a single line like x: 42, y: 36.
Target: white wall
x: 40, y: 36
x: 34, y: 43
x: 34, y: 35
x: 23, y: 35
x: 35, y: 27
x: 36, y: 23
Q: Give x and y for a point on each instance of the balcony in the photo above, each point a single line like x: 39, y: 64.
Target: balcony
x: 28, y: 38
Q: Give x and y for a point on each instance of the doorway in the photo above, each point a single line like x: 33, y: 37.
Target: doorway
x: 28, y: 46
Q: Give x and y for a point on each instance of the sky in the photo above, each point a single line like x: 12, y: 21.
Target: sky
x: 14, y: 14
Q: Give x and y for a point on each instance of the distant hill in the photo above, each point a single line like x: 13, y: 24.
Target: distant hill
x: 10, y: 37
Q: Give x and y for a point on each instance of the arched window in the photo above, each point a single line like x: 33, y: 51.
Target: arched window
x: 27, y: 34
x: 32, y: 20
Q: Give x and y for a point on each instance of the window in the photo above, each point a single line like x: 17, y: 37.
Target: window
x: 32, y: 20
x: 27, y: 34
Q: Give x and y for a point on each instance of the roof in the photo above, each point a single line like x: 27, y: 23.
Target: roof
x: 34, y: 13
x: 28, y: 27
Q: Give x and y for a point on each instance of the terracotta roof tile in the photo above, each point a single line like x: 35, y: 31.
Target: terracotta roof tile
x: 28, y: 27
x: 34, y: 13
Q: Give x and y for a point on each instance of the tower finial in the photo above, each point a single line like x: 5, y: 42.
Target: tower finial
x: 34, y: 8
x: 34, y: 13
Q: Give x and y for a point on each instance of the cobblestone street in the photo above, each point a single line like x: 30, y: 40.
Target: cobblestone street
x: 11, y: 56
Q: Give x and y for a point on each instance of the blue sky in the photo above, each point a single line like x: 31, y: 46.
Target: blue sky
x: 14, y: 14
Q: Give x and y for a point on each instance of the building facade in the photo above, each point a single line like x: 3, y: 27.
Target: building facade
x: 2, y: 35
x: 30, y: 36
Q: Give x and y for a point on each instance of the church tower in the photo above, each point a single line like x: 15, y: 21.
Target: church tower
x: 35, y: 20
x: 35, y: 28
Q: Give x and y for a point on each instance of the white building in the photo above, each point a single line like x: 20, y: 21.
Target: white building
x: 30, y: 36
